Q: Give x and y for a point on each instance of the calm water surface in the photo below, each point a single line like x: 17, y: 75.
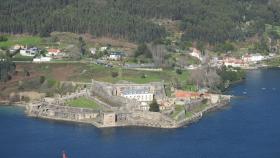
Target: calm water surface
x: 249, y: 128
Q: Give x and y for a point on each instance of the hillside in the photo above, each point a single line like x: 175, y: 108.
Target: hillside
x: 211, y: 21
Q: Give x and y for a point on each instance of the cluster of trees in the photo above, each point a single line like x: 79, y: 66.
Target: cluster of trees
x: 212, y: 21
x: 205, y: 77
x: 216, y: 79
x: 100, y: 18
x: 230, y: 75
x: 7, y: 68
x: 3, y: 38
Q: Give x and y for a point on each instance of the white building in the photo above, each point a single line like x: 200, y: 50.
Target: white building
x: 253, y: 58
x: 29, y: 52
x: 102, y: 49
x: 140, y: 97
x: 116, y: 56
x: 93, y: 51
x: 41, y: 59
x: 230, y: 61
x: 196, y: 53
x: 141, y: 93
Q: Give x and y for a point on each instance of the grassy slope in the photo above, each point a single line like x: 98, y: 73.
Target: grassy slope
x: 100, y: 73
x: 21, y: 39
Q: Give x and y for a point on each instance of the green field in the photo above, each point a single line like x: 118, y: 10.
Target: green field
x: 84, y: 103
x: 272, y: 28
x: 87, y: 72
x: 101, y: 73
x: 18, y: 57
x: 199, y: 108
x: 178, y: 109
x: 22, y: 40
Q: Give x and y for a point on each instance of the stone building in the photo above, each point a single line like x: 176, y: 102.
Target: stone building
x: 141, y: 93
x: 108, y: 119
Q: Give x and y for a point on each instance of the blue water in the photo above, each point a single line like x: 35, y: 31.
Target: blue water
x: 249, y: 128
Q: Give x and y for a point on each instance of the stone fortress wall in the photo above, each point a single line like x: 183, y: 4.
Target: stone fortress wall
x: 116, y: 109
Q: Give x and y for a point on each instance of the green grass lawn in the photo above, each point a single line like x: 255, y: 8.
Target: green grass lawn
x: 199, y: 108
x: 21, y: 39
x: 18, y: 57
x: 178, y: 109
x: 84, y: 103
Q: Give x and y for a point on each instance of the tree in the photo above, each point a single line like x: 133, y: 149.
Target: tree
x: 158, y: 52
x: 3, y: 38
x: 82, y: 46
x: 143, y: 50
x: 154, y: 106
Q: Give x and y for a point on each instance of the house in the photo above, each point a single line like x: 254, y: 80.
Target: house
x: 41, y: 59
x: 116, y: 56
x: 253, y: 58
x: 141, y: 93
x: 29, y: 51
x: 102, y: 49
x: 196, y: 53
x: 234, y: 62
x: 92, y: 51
x: 187, y: 96
x: 53, y: 52
x: 167, y: 104
x: 16, y: 47
x: 144, y: 106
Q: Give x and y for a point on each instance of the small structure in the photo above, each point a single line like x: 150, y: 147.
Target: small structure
x: 53, y: 52
x: 92, y: 51
x: 253, y: 58
x: 41, y: 59
x: 116, y: 56
x: 167, y: 104
x: 144, y: 106
x: 102, y: 49
x: 109, y: 119
x: 185, y: 95
x: 29, y: 51
x: 16, y: 47
x: 196, y: 53
x: 234, y: 62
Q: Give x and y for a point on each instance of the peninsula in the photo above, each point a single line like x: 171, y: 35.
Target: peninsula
x: 126, y: 63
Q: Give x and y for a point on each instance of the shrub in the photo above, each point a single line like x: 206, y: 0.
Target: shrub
x: 115, y: 74
x: 179, y: 71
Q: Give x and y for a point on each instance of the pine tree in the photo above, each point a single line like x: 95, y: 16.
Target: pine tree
x: 154, y: 106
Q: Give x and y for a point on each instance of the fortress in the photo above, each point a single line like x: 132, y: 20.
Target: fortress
x: 121, y: 105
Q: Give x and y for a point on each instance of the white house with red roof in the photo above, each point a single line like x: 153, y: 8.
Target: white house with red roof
x: 53, y: 52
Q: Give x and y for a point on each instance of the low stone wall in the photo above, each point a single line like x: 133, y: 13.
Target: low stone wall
x: 199, y: 115
x: 52, y: 111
